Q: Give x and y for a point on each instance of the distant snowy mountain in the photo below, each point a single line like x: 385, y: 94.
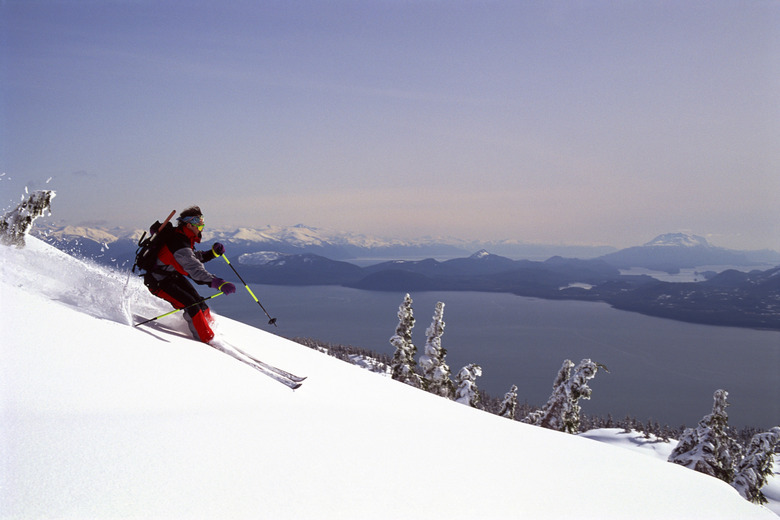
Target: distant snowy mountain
x: 668, y: 252
x: 678, y: 240
x: 300, y: 236
x: 116, y: 245
x: 101, y: 236
x: 261, y: 258
x: 104, y: 420
x: 674, y: 251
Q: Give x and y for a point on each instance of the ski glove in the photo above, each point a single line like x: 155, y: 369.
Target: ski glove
x: 222, y: 285
x: 218, y: 249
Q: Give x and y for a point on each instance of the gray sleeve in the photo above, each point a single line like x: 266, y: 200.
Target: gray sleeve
x: 186, y: 258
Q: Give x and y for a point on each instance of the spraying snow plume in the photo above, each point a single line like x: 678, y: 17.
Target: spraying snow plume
x: 96, y: 290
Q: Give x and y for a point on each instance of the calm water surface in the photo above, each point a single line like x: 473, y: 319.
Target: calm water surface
x: 659, y: 369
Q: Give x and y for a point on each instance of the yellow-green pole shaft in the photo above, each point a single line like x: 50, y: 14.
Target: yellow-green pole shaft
x: 272, y: 321
x: 174, y: 311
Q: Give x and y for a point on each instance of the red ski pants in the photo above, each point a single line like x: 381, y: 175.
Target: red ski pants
x: 180, y: 293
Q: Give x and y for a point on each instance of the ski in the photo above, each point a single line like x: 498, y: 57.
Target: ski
x: 284, y: 377
x: 269, y: 370
x: 283, y: 373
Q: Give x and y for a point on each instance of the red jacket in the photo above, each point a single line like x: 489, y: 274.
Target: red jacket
x: 178, y: 254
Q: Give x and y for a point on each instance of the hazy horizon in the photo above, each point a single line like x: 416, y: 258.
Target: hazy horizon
x: 568, y: 122
x: 208, y: 234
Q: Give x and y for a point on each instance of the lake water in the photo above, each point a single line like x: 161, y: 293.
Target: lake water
x: 660, y: 369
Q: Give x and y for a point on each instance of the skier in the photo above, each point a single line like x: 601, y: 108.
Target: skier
x: 178, y: 259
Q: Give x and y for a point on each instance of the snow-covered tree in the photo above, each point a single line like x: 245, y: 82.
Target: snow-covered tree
x: 435, y: 371
x: 467, y: 392
x: 15, y: 224
x: 509, y: 404
x: 403, y: 364
x: 756, y: 467
x: 710, y: 447
x: 562, y: 410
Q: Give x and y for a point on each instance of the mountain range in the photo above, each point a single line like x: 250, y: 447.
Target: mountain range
x: 733, y: 298
x: 667, y: 252
x: 288, y: 256
x: 674, y: 251
x: 119, y: 243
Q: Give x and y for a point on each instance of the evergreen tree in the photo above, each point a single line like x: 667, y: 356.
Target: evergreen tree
x: 15, y: 224
x: 403, y: 365
x: 756, y: 467
x: 562, y: 411
x: 549, y: 416
x: 666, y: 432
x: 435, y: 372
x: 467, y: 392
x: 509, y: 404
x: 709, y: 448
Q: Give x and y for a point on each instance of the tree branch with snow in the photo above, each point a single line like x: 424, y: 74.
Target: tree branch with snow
x: 15, y: 224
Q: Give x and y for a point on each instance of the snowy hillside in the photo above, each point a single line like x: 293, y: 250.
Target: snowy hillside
x: 103, y: 420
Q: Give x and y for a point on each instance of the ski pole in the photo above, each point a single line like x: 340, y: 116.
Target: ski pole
x: 271, y: 321
x: 174, y: 311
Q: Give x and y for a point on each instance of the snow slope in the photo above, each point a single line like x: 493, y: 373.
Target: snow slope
x: 102, y: 420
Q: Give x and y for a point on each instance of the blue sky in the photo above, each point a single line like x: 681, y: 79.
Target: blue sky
x: 556, y: 122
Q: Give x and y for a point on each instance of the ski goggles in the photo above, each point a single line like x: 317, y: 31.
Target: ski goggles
x: 196, y: 221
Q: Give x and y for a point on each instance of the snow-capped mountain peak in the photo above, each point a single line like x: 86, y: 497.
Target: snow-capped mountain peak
x: 678, y: 240
x: 299, y: 235
x: 260, y: 257
x: 95, y: 234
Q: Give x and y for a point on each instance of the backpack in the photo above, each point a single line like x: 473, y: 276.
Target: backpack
x: 149, y: 247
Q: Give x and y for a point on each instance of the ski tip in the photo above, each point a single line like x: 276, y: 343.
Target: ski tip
x: 296, y: 386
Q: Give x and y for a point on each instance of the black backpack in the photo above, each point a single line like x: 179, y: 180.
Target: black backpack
x: 149, y: 247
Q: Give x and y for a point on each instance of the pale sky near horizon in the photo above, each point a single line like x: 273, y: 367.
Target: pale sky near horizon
x: 576, y: 122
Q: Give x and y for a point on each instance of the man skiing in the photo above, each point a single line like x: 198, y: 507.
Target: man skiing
x: 178, y: 259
